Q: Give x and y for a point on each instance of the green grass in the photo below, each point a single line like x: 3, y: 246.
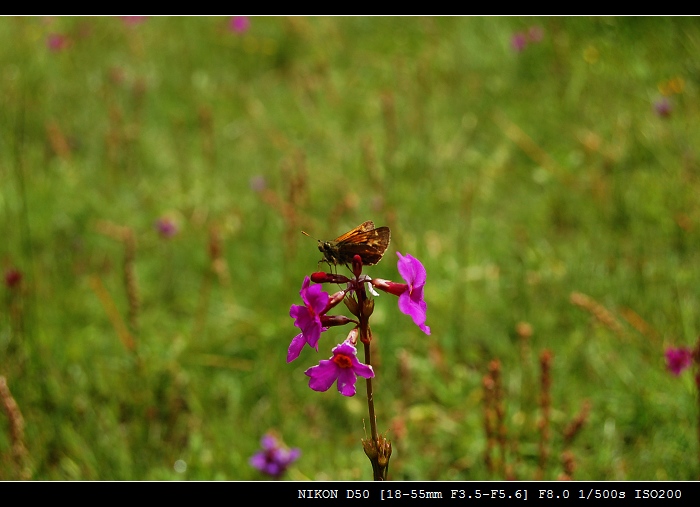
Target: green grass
x: 517, y: 178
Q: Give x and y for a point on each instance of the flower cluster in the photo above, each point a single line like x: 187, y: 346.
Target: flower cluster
x: 274, y: 458
x: 312, y: 319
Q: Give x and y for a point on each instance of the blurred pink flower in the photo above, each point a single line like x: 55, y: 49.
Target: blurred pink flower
x: 56, y: 42
x: 166, y: 227
x: 518, y: 41
x: 678, y: 359
x: 239, y: 24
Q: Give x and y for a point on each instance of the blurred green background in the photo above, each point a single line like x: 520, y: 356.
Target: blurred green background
x: 522, y: 160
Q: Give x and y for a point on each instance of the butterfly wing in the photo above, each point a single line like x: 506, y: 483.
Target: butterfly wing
x: 366, y: 241
x: 363, y: 227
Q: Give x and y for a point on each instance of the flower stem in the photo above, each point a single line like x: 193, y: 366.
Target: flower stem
x: 370, y: 394
x: 377, y: 449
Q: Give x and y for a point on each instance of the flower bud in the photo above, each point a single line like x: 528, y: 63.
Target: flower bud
x: 391, y: 287
x: 352, y: 336
x: 321, y: 277
x: 357, y: 266
x: 334, y: 320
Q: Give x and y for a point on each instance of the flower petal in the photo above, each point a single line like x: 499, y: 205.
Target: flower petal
x: 409, y: 307
x: 362, y: 369
x: 315, y: 298
x: 346, y: 382
x: 322, y: 375
x: 295, y: 311
x: 269, y: 442
x: 304, y: 285
x: 411, y: 270
x: 346, y: 349
x: 258, y: 460
x: 295, y: 347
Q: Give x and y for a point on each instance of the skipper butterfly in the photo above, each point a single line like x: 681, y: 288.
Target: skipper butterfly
x: 364, y: 240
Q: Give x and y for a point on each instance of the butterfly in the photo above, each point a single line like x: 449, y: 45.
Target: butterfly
x: 364, y: 240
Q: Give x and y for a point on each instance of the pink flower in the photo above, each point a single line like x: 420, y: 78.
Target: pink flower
x: 56, y: 42
x: 410, y: 294
x: 678, y: 359
x: 239, y: 24
x: 411, y: 301
x: 307, y: 318
x: 343, y: 367
x: 518, y: 41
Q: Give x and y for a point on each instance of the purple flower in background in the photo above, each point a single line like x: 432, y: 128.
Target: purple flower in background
x: 56, y: 42
x: 343, y: 367
x: 239, y: 24
x: 411, y: 301
x: 678, y: 359
x: 166, y: 227
x: 274, y: 458
x: 307, y: 318
x: 518, y: 41
x: 663, y: 107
